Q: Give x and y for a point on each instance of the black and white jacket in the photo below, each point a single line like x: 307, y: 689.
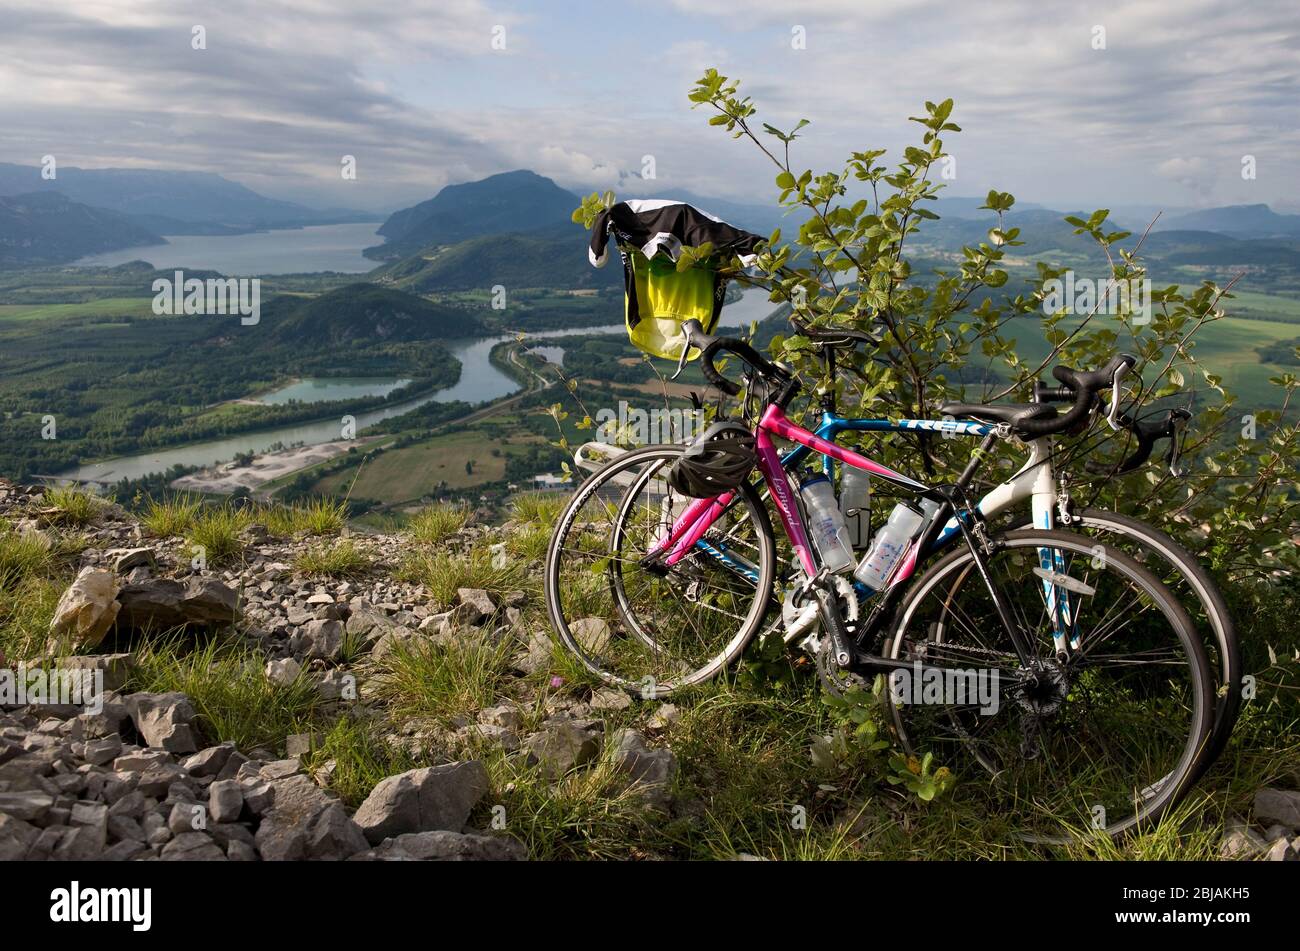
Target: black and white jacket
x: 653, y: 225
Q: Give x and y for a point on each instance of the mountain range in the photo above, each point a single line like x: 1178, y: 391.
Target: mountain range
x: 50, y: 228
x: 364, y: 314
x: 170, y: 202
x: 1240, y: 221
x: 514, y: 228
x: 512, y: 202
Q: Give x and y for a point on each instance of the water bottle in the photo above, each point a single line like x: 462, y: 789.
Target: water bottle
x: 825, y: 523
x: 855, y: 503
x: 889, y: 545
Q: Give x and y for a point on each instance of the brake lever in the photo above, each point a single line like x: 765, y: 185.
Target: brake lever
x: 1178, y: 430
x: 1113, y: 417
x: 681, y: 363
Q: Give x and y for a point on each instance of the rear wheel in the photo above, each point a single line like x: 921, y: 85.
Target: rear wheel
x: 1107, y: 738
x: 651, y: 630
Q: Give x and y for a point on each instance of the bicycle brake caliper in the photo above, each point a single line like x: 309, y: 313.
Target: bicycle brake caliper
x: 1063, y: 504
x: 981, y: 534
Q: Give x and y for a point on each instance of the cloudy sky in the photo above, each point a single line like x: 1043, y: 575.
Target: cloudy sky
x: 422, y: 94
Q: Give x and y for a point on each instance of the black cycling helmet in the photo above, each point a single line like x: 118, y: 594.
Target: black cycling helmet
x: 716, y: 462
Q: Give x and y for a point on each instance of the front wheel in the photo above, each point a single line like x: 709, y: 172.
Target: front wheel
x: 1103, y: 736
x: 1195, y: 589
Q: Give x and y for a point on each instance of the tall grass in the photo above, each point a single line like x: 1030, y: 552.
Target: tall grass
x: 361, y: 758
x: 170, y: 516
x: 533, y: 516
x: 442, y: 572
x: 438, y: 522
x: 34, y: 571
x: 343, y: 559
x: 588, y: 814
x: 22, y: 555
x: 423, y: 680
x: 216, y: 531
x: 72, y: 506
x: 26, y: 608
x: 542, y: 507
x: 313, y: 517
x: 231, y: 695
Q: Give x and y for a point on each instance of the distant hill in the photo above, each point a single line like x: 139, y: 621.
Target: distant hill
x: 365, y: 314
x: 182, y: 202
x: 1254, y: 221
x: 1041, y: 230
x: 515, y: 229
x: 1253, y: 252
x: 552, y: 258
x: 511, y: 202
x: 49, y: 228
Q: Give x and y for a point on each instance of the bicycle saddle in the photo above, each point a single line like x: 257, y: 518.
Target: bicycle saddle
x: 998, y: 412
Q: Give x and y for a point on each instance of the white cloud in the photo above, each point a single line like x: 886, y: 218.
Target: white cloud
x: 414, y: 90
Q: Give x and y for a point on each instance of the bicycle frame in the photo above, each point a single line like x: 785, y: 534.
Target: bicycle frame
x: 1034, y: 480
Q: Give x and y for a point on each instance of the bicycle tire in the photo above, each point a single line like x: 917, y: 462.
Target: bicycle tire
x: 1213, y: 605
x: 1175, y: 783
x: 554, y: 593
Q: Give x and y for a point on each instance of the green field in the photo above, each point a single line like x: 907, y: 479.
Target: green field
x: 1225, y: 347
x: 105, y: 307
x: 426, y: 468
x: 1264, y: 306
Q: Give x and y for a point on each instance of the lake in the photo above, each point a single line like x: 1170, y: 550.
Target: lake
x: 292, y: 251
x: 479, y: 382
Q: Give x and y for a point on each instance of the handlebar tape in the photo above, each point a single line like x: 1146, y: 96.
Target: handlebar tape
x: 1085, y: 384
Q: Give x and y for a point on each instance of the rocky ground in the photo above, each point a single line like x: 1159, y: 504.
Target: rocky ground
x: 527, y: 756
x: 137, y: 781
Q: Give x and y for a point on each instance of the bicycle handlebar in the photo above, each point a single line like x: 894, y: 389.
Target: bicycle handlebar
x: 709, y: 345
x: 1083, y: 387
x: 1148, y: 432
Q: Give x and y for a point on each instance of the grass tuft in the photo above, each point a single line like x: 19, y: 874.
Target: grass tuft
x: 72, y: 506
x: 231, y: 695
x: 442, y: 572
x: 424, y: 680
x: 343, y: 559
x: 438, y: 522
x: 26, y: 609
x: 22, y: 555
x: 171, y: 516
x: 313, y: 517
x: 542, y: 507
x: 216, y: 531
x: 361, y: 757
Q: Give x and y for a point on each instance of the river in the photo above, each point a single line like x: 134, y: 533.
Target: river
x: 479, y: 382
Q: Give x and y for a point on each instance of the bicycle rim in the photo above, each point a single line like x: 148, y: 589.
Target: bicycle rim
x: 1178, y: 570
x: 1107, y: 742
x: 647, y: 632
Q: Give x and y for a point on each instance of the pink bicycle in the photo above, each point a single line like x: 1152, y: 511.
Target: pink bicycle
x: 1044, y: 648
